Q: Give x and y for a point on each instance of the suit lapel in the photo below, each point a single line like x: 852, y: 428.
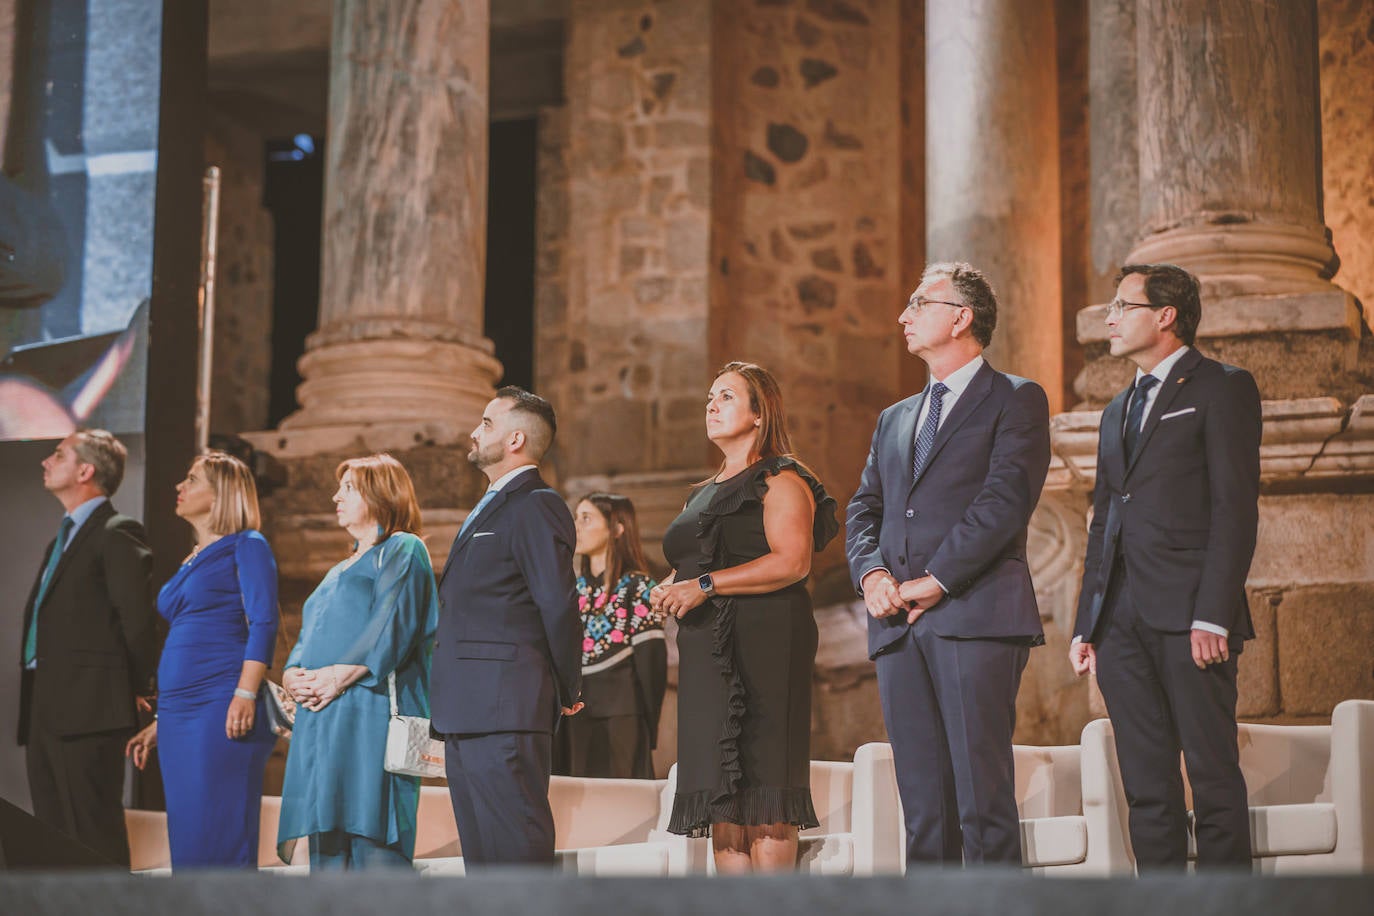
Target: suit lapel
x: 979, y: 387
x: 1178, y: 377
x: 1111, y: 433
x: 97, y: 519
x: 526, y: 481
x: 906, y: 432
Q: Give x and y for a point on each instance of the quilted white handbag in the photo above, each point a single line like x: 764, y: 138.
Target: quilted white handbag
x: 410, y: 751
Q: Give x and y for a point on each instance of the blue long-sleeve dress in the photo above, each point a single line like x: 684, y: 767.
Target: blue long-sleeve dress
x: 381, y: 612
x: 222, y: 608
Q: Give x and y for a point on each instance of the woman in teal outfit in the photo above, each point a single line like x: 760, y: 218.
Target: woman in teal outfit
x: 374, y: 615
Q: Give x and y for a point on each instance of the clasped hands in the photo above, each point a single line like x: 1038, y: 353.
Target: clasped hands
x: 885, y: 596
x: 677, y: 598
x: 314, y: 688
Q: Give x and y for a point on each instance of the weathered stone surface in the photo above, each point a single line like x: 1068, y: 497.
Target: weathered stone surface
x: 756, y: 168
x: 1257, y: 678
x: 767, y: 77
x: 786, y: 142
x: 807, y: 32
x: 1324, y: 637
x: 810, y: 231
x: 993, y: 199
x: 837, y: 11
x: 864, y: 264
x: 815, y: 71
x: 827, y: 259
x: 815, y: 294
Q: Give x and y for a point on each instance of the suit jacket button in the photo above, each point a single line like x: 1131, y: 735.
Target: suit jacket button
x: 901, y: 560
x: 911, y: 513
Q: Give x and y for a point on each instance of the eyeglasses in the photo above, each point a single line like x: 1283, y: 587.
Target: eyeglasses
x: 1120, y: 307
x: 920, y: 304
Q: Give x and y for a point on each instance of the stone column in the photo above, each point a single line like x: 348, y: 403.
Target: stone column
x: 1230, y: 188
x: 399, y: 356
x: 1114, y: 164
x: 992, y: 168
x: 1229, y: 165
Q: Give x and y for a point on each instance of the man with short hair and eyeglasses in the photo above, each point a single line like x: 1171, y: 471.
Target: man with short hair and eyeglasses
x: 936, y: 539
x: 1162, y: 614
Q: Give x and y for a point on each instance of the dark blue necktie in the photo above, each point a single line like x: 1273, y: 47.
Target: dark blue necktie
x: 31, y: 637
x: 926, y: 438
x: 1134, y: 416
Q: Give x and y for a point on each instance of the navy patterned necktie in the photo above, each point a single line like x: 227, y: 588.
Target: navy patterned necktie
x: 926, y: 438
x: 1136, y: 414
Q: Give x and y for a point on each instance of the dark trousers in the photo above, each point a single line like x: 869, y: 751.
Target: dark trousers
x: 615, y: 747
x: 950, y: 710
x: 499, y: 786
x: 77, y: 786
x: 1160, y: 702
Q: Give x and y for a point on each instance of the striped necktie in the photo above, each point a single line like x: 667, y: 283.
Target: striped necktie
x: 1136, y: 415
x: 926, y: 439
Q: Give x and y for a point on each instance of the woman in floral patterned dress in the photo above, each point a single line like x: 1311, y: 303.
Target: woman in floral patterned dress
x: 624, y: 656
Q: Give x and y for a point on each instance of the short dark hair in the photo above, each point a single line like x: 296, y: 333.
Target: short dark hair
x: 1169, y: 284
x: 538, y: 421
x: 975, y: 291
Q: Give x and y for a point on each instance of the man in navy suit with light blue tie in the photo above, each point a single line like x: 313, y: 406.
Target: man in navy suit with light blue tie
x: 936, y: 538
x: 1163, y: 615
x: 508, y: 654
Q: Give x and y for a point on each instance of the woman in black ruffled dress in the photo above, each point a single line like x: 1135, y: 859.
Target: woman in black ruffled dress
x: 741, y: 551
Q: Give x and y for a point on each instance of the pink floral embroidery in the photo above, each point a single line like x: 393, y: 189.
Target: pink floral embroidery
x: 617, y: 636
x: 582, y: 603
x: 588, y: 644
x: 620, y: 612
x: 601, y: 600
x: 641, y: 611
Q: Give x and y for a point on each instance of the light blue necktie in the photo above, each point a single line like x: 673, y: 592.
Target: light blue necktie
x: 925, y: 440
x: 31, y: 637
x: 477, y: 510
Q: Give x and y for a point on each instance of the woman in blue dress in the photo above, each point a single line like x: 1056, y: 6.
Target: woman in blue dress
x: 373, y: 616
x: 211, y: 729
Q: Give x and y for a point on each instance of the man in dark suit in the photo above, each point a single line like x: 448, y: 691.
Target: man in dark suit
x: 1162, y: 613
x: 90, y: 648
x: 936, y: 539
x: 508, y: 655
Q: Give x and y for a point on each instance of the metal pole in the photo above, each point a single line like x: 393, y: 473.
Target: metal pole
x: 209, y: 244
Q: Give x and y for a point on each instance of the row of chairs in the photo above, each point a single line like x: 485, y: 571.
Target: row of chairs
x: 1311, y: 796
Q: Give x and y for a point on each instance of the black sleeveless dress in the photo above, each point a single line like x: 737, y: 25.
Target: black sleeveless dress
x: 745, y: 664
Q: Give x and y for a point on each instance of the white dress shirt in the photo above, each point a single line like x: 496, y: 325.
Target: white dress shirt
x: 500, y: 482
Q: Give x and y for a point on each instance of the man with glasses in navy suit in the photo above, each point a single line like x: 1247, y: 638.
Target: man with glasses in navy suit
x: 1162, y: 614
x: 936, y: 538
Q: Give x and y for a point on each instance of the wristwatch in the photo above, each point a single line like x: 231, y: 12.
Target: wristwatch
x: 706, y: 585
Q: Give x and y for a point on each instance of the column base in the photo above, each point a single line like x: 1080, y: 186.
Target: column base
x: 370, y: 395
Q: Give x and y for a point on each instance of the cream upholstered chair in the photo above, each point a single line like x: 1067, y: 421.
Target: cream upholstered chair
x: 149, y: 852
x: 1052, y: 792
x: 603, y: 827
x: 1311, y: 792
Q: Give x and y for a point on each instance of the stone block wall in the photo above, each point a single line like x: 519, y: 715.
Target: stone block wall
x: 807, y: 250
x: 626, y: 359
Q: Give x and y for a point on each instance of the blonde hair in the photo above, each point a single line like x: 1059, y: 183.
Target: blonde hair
x: 236, y: 495
x: 387, y: 490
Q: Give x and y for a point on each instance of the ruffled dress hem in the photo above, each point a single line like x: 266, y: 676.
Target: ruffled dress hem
x: 695, y: 812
